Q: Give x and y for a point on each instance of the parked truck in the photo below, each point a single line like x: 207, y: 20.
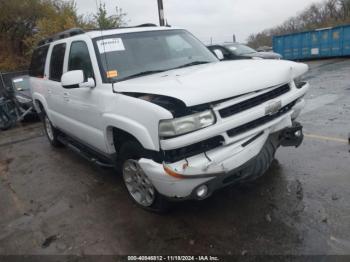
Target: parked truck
x: 156, y: 104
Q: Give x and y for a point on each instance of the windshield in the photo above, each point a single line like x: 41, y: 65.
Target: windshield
x: 130, y: 55
x: 241, y: 49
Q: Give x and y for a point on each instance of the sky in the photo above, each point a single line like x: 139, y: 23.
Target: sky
x: 207, y: 19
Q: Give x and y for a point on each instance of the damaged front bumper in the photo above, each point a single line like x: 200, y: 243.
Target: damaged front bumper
x: 222, y: 154
x: 220, y: 167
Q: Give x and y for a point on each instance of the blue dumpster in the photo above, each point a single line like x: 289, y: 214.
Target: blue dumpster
x: 320, y: 43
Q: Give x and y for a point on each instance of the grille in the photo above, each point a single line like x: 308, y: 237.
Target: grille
x: 260, y: 121
x: 255, y: 101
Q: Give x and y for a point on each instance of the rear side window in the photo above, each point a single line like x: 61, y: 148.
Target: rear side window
x: 79, y: 59
x: 37, y: 65
x: 56, y: 62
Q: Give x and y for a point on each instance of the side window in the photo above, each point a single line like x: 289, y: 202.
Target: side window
x: 79, y: 59
x: 56, y: 62
x: 227, y: 54
x: 37, y: 65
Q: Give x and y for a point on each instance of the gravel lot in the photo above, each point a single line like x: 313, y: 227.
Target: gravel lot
x: 54, y: 202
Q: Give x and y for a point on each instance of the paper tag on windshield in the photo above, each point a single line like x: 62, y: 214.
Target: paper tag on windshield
x: 110, y: 45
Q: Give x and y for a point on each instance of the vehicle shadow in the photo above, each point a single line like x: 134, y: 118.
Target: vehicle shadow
x: 258, y: 216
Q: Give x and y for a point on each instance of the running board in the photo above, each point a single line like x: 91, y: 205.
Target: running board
x: 85, y: 152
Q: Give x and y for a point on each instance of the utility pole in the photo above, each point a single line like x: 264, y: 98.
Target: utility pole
x: 161, y: 13
x: 234, y: 38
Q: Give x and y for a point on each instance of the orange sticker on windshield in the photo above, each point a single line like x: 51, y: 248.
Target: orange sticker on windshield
x: 112, y: 74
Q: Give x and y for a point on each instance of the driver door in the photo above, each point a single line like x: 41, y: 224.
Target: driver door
x: 83, y: 109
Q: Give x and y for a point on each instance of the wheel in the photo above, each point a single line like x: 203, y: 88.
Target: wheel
x: 139, y: 186
x: 8, y: 115
x: 51, y: 132
x: 5, y: 122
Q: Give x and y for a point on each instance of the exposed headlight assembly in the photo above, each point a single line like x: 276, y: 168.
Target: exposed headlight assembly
x: 187, y: 124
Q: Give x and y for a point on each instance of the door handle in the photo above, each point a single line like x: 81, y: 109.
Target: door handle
x: 66, y: 97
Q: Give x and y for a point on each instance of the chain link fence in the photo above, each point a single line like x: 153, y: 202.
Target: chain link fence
x: 6, y: 80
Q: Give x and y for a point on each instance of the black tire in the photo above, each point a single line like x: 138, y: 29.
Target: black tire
x: 5, y: 123
x: 53, y: 134
x: 261, y: 163
x: 132, y: 150
x: 8, y: 118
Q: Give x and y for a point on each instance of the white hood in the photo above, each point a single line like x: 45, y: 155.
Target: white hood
x: 215, y: 81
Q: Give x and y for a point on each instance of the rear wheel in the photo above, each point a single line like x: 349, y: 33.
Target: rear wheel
x: 51, y: 131
x: 139, y: 186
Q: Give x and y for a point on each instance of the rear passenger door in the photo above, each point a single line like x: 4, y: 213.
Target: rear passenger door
x: 54, y: 87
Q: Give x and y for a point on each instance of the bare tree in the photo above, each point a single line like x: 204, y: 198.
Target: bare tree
x: 329, y: 13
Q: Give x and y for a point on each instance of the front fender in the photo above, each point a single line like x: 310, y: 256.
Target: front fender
x: 137, y: 117
x: 129, y: 126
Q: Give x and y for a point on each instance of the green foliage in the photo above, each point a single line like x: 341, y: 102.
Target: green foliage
x: 103, y: 21
x: 328, y: 14
x: 59, y: 16
x: 17, y: 21
x: 23, y: 23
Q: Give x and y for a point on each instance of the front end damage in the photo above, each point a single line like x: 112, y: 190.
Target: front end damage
x: 239, y: 147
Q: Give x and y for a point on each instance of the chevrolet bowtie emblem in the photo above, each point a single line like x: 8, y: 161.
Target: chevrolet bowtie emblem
x: 273, y: 108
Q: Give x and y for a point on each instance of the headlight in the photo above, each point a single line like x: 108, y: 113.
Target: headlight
x: 187, y: 124
x: 299, y: 83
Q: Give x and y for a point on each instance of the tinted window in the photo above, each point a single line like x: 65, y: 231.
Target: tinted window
x: 79, y: 59
x: 224, y: 51
x: 241, y: 49
x: 56, y: 63
x: 37, y: 65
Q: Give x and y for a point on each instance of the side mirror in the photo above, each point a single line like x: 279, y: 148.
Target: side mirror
x: 76, y: 79
x: 219, y: 54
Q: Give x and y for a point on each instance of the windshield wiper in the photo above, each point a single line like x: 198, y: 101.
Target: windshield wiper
x: 150, y: 72
x: 192, y: 64
x: 145, y: 73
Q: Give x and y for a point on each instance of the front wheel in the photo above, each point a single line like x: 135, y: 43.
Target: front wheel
x: 139, y: 186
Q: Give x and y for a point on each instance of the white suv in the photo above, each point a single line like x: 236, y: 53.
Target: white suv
x: 156, y: 103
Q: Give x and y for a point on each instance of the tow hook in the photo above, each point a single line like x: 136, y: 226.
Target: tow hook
x: 292, y: 136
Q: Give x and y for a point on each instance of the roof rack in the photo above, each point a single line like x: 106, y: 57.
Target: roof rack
x: 62, y: 35
x: 78, y: 31
x: 146, y: 25
x: 125, y: 27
